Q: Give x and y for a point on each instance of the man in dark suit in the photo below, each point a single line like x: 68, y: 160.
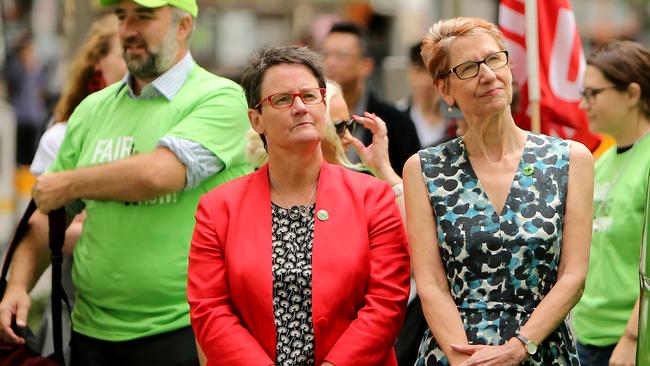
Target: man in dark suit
x: 348, y: 62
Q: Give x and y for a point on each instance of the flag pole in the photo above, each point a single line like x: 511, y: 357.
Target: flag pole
x: 532, y: 59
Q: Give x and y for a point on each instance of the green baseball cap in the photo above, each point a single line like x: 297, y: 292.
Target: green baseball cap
x: 187, y: 5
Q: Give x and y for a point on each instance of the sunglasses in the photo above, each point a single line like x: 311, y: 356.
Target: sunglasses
x: 342, y: 125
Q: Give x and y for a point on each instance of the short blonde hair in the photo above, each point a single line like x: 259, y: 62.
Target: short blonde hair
x: 435, y: 45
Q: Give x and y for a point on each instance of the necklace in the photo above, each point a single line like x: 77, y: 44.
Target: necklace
x: 295, y: 211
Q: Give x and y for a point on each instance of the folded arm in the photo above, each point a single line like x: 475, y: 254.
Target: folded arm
x: 137, y: 178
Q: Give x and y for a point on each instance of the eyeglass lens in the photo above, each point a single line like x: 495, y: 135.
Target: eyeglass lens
x: 470, y: 69
x: 285, y: 100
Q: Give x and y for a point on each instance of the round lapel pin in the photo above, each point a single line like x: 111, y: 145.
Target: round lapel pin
x: 322, y: 215
x: 528, y: 170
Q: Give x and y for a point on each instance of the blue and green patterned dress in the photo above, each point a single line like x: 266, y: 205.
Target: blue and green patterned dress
x: 500, y: 267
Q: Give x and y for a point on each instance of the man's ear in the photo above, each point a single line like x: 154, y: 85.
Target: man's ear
x: 444, y: 89
x: 256, y: 120
x: 185, y: 28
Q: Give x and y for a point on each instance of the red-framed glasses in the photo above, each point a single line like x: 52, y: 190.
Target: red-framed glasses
x: 285, y: 100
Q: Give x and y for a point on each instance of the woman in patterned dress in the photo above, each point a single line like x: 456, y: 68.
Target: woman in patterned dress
x: 499, y: 220
x: 301, y: 262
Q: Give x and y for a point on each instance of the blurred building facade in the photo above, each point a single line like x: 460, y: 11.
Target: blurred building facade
x: 229, y: 30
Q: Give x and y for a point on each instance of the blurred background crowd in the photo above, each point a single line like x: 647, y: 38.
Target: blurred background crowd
x: 39, y: 37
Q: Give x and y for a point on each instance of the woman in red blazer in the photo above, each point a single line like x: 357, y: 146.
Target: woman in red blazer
x: 301, y: 262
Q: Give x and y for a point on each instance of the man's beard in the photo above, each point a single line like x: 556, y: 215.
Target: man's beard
x: 155, y: 61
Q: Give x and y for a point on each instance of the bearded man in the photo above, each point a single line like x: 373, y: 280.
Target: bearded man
x: 137, y: 156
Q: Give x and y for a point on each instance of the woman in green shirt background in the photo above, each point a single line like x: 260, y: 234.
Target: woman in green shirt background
x: 617, y: 102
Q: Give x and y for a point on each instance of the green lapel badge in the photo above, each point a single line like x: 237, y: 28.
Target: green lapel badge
x: 528, y: 170
x: 322, y: 215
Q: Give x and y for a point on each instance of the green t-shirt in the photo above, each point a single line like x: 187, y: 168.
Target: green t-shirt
x: 612, y: 287
x: 130, y: 264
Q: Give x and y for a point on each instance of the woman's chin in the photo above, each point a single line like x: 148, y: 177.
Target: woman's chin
x: 306, y: 139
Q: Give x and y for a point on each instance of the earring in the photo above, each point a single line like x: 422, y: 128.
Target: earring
x: 450, y: 108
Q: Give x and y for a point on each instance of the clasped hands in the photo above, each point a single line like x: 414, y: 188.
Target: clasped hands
x: 511, y: 353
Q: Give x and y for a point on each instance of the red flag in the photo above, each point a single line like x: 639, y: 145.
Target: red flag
x: 561, y: 68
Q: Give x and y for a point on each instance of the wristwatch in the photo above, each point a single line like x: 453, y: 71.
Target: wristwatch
x: 531, y: 347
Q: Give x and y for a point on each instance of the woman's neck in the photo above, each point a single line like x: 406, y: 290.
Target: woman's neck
x: 494, y: 138
x: 632, y: 129
x: 294, y: 171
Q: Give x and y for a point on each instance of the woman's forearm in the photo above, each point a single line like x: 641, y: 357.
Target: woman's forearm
x: 444, y: 321
x: 553, y: 309
x: 632, y: 326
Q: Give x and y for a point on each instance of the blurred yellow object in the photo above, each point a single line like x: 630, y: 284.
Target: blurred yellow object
x: 6, y: 205
x: 24, y: 181
x: 606, y: 141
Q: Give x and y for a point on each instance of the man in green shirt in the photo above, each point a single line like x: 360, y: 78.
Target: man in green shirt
x: 137, y: 156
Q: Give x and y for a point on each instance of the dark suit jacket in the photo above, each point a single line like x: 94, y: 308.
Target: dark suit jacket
x: 402, y: 138
x: 360, y: 267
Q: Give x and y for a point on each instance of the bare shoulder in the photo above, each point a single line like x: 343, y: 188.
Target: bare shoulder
x: 579, y: 153
x: 581, y: 166
x: 412, y: 165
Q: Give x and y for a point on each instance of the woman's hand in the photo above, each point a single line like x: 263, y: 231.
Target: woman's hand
x: 624, y: 353
x: 375, y: 155
x: 509, y: 354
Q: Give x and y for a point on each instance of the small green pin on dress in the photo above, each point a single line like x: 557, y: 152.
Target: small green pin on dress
x: 528, y: 170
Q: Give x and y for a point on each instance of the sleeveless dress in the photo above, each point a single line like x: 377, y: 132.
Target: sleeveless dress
x: 500, y: 267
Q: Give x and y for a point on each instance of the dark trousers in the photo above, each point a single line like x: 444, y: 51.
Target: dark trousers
x: 594, y: 355
x: 175, y: 348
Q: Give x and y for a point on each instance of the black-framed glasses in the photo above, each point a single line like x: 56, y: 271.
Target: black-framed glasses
x: 342, y: 125
x: 470, y: 69
x: 285, y: 100
x: 590, y: 93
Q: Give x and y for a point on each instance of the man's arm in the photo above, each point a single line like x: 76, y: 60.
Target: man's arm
x: 29, y: 261
x: 137, y: 178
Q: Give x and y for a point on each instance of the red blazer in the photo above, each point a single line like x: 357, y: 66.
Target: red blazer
x: 360, y: 272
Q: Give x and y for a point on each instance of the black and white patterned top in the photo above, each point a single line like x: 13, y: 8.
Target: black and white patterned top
x: 291, y: 257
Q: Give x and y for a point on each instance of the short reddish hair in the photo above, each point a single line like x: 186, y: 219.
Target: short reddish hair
x: 435, y: 45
